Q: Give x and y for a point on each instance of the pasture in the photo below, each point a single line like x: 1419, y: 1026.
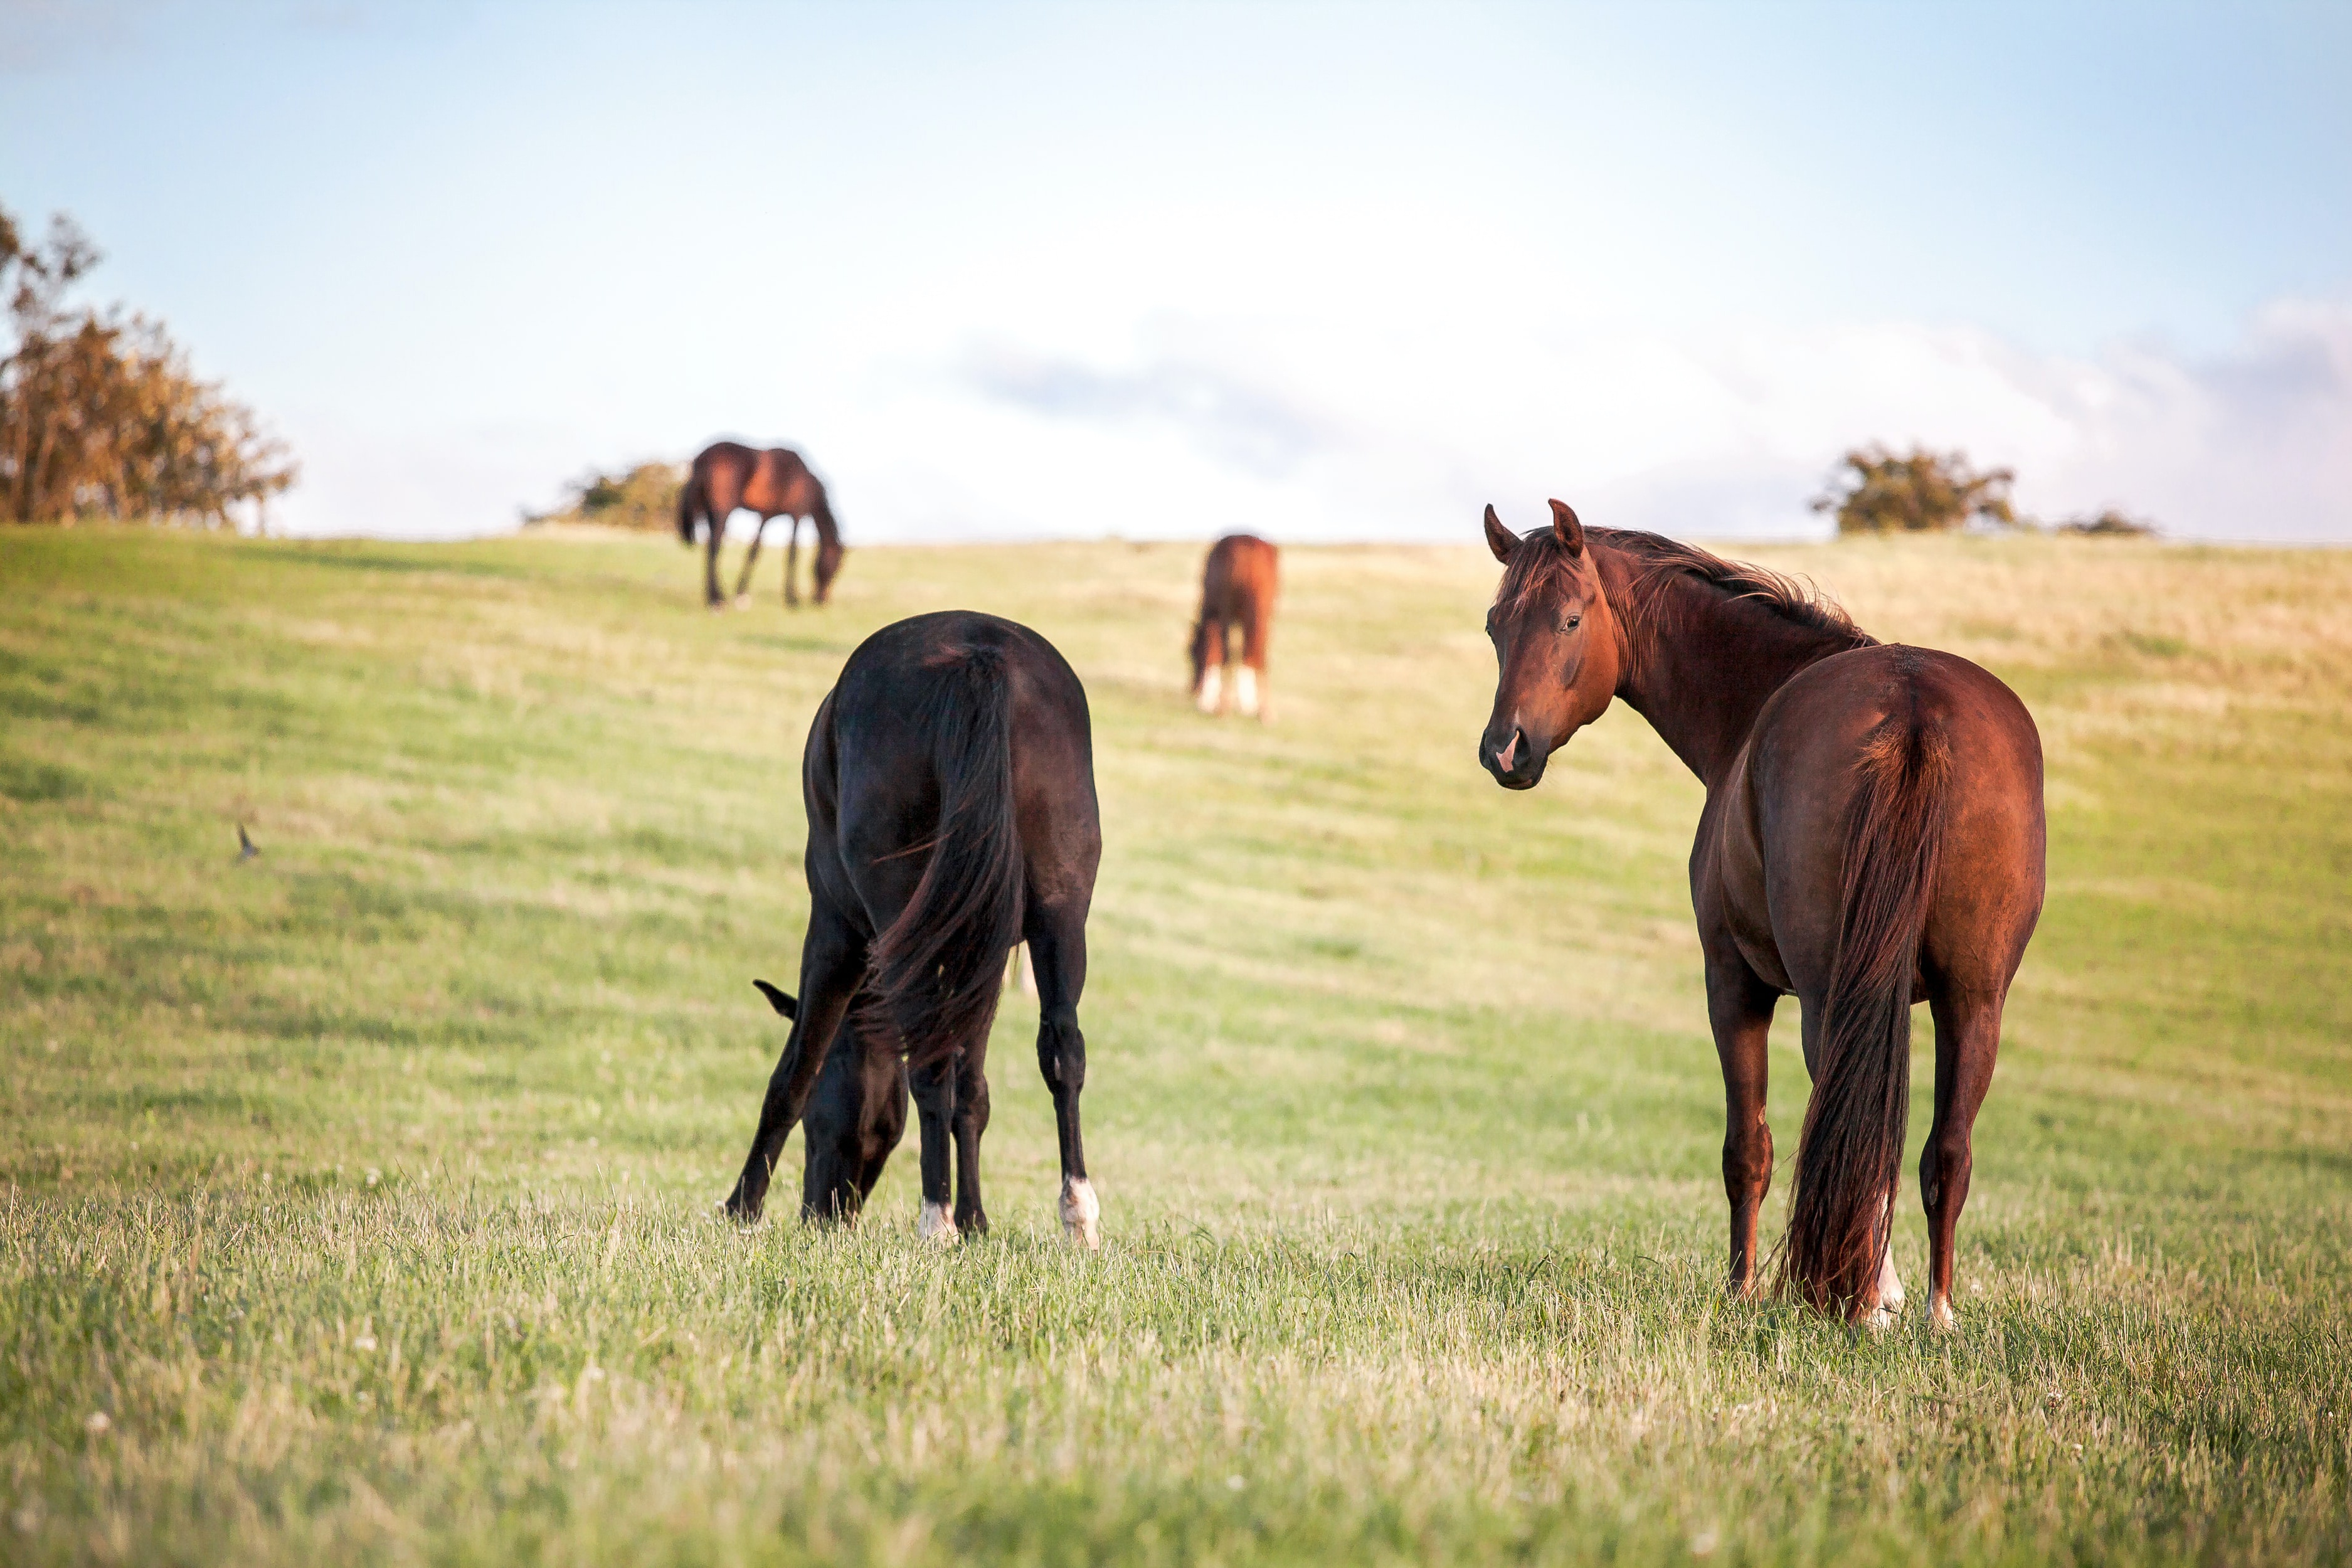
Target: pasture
x: 359, y: 1198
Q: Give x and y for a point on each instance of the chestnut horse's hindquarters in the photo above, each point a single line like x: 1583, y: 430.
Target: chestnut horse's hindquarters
x: 1850, y: 1154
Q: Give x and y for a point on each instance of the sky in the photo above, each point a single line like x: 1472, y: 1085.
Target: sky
x: 1320, y: 272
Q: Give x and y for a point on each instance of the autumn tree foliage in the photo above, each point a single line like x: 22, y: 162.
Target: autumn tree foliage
x: 1879, y: 491
x: 101, y: 414
x: 646, y: 497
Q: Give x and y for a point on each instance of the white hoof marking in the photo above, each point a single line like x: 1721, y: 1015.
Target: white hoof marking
x: 936, y: 1226
x: 1941, y: 1316
x: 1245, y: 691
x: 1213, y: 686
x: 1081, y: 1214
x: 1879, y: 1321
x: 1890, y: 1284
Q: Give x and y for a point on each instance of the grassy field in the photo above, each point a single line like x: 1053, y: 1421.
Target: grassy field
x: 356, y: 1201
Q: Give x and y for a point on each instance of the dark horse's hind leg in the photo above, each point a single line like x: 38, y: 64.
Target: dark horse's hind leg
x: 970, y: 1122
x: 833, y: 958
x: 750, y: 561
x: 934, y: 1089
x: 1057, y: 937
x: 792, y: 562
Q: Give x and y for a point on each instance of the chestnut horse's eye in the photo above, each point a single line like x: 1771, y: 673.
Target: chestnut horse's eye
x: 1570, y: 623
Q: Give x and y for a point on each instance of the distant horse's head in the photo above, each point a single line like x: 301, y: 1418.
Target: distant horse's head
x: 829, y: 549
x: 1556, y: 642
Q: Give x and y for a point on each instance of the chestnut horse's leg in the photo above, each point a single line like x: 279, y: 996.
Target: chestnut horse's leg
x: 934, y: 1086
x: 1968, y: 1038
x: 970, y: 1122
x: 1057, y: 936
x: 1213, y: 669
x: 1739, y: 1007
x: 792, y: 561
x: 751, y: 560
x: 1253, y: 699
x: 833, y: 958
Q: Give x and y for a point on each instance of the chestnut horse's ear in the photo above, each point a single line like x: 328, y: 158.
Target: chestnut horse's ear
x: 1570, y: 531
x: 1499, y: 540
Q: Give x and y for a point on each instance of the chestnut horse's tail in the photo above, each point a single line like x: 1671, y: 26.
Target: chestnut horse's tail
x: 1850, y: 1155
x: 937, y: 970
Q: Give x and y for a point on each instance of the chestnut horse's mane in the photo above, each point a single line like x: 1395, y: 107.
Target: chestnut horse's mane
x: 1657, y: 559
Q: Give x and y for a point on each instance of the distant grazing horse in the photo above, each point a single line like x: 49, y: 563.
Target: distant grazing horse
x: 1238, y: 585
x: 949, y: 782
x: 1872, y: 837
x: 774, y: 483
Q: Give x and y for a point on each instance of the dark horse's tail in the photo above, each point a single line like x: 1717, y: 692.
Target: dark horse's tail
x: 689, y: 504
x: 1850, y: 1155
x: 936, y: 971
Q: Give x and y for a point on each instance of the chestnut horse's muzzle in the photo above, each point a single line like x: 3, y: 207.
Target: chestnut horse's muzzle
x: 1515, y: 762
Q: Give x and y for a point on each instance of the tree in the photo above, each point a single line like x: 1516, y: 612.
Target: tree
x: 99, y: 413
x: 645, y: 497
x: 1875, y: 492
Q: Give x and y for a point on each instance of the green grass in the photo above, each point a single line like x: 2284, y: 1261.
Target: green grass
x: 355, y: 1203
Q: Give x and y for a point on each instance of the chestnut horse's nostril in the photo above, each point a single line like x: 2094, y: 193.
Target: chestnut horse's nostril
x: 1503, y: 757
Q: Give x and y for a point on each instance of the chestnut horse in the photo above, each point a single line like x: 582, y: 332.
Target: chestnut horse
x: 1238, y: 584
x: 774, y: 483
x: 949, y: 782
x: 1872, y: 837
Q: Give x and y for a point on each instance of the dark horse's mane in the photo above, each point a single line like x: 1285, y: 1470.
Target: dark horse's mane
x: 1536, y: 568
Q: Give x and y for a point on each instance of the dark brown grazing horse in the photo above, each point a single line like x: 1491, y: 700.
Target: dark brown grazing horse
x: 774, y: 483
x: 1872, y: 837
x: 1238, y: 586
x: 948, y: 781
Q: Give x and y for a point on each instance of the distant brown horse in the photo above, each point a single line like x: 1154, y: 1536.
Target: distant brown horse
x: 1872, y: 837
x: 1238, y: 586
x: 774, y: 483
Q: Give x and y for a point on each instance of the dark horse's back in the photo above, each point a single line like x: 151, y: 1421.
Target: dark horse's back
x: 948, y: 781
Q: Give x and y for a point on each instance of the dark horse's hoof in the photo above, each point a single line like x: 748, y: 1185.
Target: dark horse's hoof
x: 734, y: 1206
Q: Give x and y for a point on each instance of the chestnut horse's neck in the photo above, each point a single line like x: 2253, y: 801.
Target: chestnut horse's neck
x: 1706, y: 643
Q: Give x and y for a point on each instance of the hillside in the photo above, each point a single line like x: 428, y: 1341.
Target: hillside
x: 359, y: 1195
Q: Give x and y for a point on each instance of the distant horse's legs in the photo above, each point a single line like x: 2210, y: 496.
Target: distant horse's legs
x: 1057, y: 935
x: 1257, y: 701
x: 744, y: 583
x: 970, y: 1122
x: 1739, y: 1007
x: 1967, y: 1038
x: 934, y: 1087
x: 792, y: 561
x: 711, y: 593
x: 833, y: 957
x: 1212, y: 698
